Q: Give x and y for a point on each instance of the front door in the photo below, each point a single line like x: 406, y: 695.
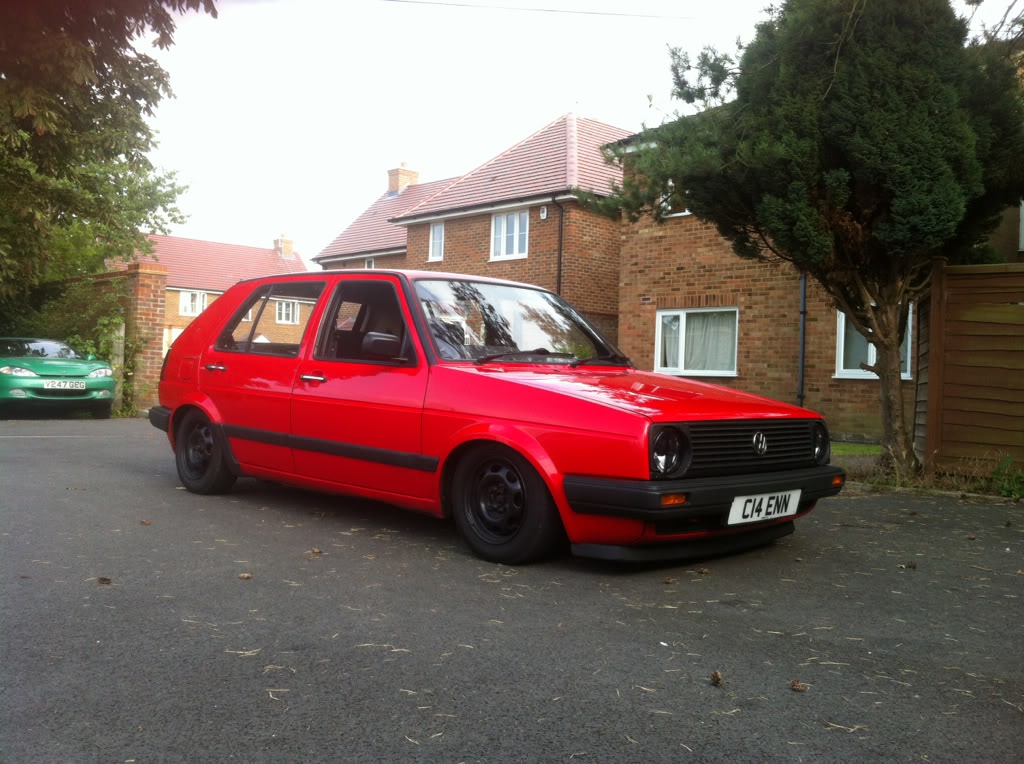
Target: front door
x: 357, y: 402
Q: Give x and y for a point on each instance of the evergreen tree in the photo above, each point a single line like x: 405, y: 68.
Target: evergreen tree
x: 857, y: 140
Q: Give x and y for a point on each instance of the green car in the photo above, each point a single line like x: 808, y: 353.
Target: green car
x: 47, y: 374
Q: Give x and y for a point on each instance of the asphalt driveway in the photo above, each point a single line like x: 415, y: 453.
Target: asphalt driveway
x: 141, y: 623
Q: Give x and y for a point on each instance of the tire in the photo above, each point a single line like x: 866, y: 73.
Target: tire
x: 502, y: 507
x: 199, y: 454
x: 101, y: 411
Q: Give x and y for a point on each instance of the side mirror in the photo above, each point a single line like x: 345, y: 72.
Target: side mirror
x: 381, y: 345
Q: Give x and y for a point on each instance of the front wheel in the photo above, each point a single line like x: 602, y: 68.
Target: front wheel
x: 502, y: 507
x: 200, y: 455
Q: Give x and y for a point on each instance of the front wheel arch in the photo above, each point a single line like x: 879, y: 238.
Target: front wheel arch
x: 501, y: 504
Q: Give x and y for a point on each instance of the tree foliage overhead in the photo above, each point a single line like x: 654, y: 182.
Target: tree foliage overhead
x: 74, y: 97
x: 856, y: 139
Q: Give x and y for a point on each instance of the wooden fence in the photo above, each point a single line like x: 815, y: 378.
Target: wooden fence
x: 970, y: 395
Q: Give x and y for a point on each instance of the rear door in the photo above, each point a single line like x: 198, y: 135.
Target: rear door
x: 357, y: 401
x: 249, y: 371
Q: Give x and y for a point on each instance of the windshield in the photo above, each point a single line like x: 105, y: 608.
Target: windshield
x: 15, y: 348
x: 479, y: 321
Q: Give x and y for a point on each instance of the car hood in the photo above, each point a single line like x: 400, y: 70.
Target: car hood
x: 657, y: 396
x: 55, y: 367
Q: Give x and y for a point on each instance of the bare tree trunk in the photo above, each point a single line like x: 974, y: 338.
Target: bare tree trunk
x: 898, y: 448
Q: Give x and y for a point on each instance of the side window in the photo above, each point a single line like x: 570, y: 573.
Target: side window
x: 256, y: 326
x: 365, y: 323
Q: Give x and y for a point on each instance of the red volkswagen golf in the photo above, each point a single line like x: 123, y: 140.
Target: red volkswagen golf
x: 489, y: 402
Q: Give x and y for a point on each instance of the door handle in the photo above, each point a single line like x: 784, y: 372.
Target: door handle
x: 312, y: 378
x: 215, y: 367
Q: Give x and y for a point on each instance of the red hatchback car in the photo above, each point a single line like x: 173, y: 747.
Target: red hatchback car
x: 486, y: 401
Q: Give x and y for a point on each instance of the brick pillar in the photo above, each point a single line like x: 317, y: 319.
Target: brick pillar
x: 147, y: 298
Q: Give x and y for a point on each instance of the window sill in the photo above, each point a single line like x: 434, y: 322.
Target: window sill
x: 502, y: 258
x: 868, y: 377
x: 678, y: 373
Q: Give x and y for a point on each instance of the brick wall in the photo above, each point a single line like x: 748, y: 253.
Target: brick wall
x: 589, y: 262
x: 684, y: 263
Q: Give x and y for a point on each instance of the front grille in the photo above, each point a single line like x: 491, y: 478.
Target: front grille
x: 727, y: 448
x: 61, y: 393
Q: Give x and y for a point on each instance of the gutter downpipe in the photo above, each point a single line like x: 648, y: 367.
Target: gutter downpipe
x: 803, y: 338
x: 561, y: 229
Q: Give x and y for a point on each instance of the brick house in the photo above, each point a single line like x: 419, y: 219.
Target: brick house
x: 514, y: 217
x: 200, y: 271
x: 689, y: 306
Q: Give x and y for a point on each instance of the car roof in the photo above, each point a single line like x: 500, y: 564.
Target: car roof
x: 408, y: 275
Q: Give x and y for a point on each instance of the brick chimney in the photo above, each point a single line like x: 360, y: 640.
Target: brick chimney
x: 400, y: 178
x: 283, y: 246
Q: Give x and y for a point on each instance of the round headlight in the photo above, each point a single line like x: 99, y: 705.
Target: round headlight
x: 822, y: 443
x: 670, y: 452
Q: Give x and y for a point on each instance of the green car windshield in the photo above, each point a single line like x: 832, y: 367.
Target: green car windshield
x: 15, y: 348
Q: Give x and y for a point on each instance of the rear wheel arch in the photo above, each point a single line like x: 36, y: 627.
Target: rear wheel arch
x: 202, y: 453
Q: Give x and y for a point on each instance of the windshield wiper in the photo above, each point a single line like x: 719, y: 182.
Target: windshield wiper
x: 609, y: 359
x: 536, y: 351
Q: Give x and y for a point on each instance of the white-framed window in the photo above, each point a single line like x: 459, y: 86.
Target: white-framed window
x: 436, y: 250
x: 853, y: 349
x: 670, y: 206
x: 191, y: 303
x: 510, y: 234
x: 698, y: 342
x: 287, y: 312
x: 368, y: 263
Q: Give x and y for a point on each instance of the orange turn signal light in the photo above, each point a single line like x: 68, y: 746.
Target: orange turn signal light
x: 838, y: 480
x: 673, y: 499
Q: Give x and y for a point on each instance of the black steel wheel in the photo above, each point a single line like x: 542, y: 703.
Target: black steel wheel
x: 199, y: 454
x: 502, y: 507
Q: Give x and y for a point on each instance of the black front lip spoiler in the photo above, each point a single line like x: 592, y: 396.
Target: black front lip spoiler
x: 641, y: 499
x: 694, y: 549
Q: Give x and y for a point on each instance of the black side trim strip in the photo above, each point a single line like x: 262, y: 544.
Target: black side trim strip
x: 334, y: 448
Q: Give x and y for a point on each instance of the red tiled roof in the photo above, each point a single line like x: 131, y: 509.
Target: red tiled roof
x: 208, y: 265
x: 371, y: 232
x: 563, y: 155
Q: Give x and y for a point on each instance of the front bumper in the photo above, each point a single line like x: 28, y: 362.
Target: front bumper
x: 29, y: 391
x: 699, y: 528
x: 642, y: 499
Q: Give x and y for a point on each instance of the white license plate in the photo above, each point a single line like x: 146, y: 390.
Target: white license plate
x: 63, y: 384
x: 763, y: 506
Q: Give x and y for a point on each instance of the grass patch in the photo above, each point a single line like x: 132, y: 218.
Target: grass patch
x: 855, y: 449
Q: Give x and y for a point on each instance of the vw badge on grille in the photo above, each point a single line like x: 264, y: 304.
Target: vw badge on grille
x: 760, y: 443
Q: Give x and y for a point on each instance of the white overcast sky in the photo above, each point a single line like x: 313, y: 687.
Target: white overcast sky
x: 288, y: 113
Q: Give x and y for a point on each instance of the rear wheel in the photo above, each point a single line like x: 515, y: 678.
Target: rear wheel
x: 502, y: 507
x: 200, y: 455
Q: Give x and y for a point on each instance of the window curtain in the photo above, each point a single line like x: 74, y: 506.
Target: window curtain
x: 710, y: 341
